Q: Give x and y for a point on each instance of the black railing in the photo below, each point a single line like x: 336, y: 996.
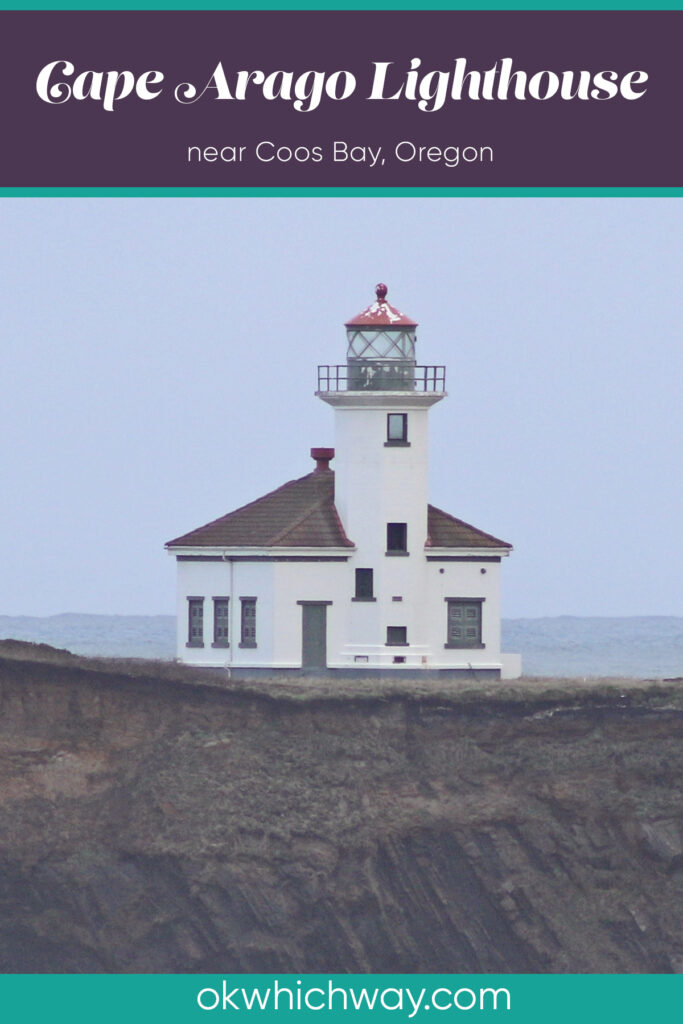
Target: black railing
x: 381, y: 375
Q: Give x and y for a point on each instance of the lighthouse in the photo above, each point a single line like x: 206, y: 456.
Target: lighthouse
x: 349, y: 569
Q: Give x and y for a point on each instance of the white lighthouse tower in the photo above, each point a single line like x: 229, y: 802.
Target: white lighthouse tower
x: 350, y: 569
x: 381, y: 399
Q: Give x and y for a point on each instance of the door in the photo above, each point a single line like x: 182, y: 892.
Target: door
x: 314, y: 635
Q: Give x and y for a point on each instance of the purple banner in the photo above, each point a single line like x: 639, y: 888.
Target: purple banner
x: 338, y: 99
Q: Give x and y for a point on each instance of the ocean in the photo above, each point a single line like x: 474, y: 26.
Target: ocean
x: 650, y: 647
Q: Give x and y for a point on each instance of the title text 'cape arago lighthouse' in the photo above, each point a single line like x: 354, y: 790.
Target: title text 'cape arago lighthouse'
x: 350, y: 571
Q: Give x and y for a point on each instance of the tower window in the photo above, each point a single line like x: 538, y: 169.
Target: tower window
x: 464, y: 622
x: 397, y: 428
x: 397, y: 636
x: 364, y: 585
x: 195, y: 622
x: 397, y: 538
x: 248, y: 630
x: 221, y: 618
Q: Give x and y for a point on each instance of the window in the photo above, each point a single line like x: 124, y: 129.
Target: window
x: 364, y: 591
x: 248, y: 631
x: 195, y: 625
x: 397, y: 428
x: 464, y: 622
x: 397, y: 538
x: 397, y: 636
x: 221, y: 618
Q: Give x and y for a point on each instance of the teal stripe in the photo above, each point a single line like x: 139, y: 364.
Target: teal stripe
x: 343, y: 193
x: 341, y: 5
x: 172, y: 999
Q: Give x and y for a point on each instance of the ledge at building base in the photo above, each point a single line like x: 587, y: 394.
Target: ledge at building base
x: 362, y: 672
x: 510, y: 668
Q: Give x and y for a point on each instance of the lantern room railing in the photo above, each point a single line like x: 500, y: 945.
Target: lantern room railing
x: 381, y: 375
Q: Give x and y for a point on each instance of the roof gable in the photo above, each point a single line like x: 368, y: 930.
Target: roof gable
x: 445, y: 531
x: 301, y: 513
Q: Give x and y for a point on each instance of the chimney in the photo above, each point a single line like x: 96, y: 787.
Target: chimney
x: 322, y: 458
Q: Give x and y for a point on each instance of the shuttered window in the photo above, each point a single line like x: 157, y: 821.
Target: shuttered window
x: 195, y: 625
x: 248, y: 630
x: 464, y: 622
x: 221, y: 619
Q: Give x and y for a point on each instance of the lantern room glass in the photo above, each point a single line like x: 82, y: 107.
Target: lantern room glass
x: 380, y: 359
x: 389, y: 343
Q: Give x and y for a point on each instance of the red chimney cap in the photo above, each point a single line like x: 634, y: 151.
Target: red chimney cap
x: 381, y: 313
x: 322, y: 458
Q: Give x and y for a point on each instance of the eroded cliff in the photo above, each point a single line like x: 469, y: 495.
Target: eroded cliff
x: 159, y: 819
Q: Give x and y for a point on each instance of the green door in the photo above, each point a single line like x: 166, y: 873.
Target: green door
x: 314, y: 635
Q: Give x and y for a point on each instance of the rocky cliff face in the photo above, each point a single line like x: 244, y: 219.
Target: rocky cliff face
x: 165, y: 820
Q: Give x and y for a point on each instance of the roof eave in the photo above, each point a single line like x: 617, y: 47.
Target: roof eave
x: 502, y: 551
x: 266, y: 550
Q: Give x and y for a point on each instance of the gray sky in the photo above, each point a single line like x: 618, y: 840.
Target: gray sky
x: 158, y: 363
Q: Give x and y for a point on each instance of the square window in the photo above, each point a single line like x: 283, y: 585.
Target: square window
x: 397, y: 636
x: 464, y: 621
x: 364, y: 584
x: 397, y: 427
x: 397, y: 537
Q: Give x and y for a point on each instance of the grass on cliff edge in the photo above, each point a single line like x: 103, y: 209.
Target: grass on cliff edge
x: 304, y: 688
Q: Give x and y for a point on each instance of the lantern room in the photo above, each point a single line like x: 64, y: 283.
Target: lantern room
x: 380, y: 354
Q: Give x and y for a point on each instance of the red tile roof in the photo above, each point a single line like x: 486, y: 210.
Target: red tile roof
x: 445, y: 531
x: 302, y: 513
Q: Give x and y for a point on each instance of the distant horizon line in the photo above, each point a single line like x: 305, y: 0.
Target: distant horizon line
x: 171, y: 615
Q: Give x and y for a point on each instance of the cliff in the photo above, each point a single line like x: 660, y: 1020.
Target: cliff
x: 154, y: 818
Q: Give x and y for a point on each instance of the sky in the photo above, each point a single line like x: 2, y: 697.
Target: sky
x: 158, y: 368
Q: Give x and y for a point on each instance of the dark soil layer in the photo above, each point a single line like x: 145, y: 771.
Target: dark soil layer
x: 154, y: 818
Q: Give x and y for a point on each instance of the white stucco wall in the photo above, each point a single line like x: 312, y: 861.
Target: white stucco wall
x: 233, y: 580
x: 356, y: 630
x: 376, y: 484
x: 450, y: 579
x: 422, y: 609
